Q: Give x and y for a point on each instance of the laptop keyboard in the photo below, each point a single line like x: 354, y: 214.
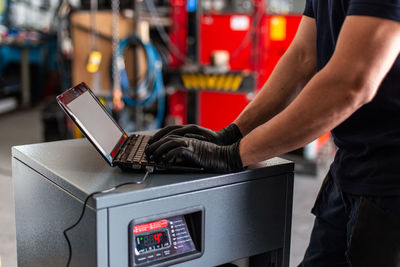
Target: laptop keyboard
x: 137, y: 152
x: 133, y: 151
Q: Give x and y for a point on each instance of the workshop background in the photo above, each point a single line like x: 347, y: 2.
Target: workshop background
x: 151, y: 63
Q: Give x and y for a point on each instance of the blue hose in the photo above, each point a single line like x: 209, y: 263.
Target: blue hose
x: 154, y: 79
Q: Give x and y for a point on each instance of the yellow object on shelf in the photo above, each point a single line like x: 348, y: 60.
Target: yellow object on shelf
x: 229, y: 82
x: 278, y: 28
x: 93, y: 61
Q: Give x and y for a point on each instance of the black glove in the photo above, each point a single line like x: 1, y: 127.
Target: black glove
x: 178, y: 150
x: 226, y: 136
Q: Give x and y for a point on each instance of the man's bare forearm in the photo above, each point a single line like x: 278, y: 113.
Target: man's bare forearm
x: 309, y: 116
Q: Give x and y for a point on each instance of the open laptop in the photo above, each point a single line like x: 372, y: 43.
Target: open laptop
x: 116, y: 147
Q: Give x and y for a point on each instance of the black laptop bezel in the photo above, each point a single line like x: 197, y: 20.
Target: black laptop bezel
x: 71, y: 94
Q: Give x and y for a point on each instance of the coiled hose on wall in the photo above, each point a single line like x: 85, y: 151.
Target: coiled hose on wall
x: 153, y: 82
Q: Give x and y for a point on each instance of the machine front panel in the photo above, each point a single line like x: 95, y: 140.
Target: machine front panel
x: 239, y: 220
x: 161, y: 240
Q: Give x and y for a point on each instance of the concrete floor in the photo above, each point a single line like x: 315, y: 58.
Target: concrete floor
x: 24, y: 127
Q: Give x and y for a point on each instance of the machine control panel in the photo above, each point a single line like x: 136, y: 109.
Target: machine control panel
x: 160, y: 241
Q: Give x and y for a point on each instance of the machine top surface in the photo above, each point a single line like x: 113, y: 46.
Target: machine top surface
x: 78, y: 168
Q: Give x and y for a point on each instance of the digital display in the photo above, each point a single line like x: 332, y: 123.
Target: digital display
x: 162, y: 240
x: 153, y: 241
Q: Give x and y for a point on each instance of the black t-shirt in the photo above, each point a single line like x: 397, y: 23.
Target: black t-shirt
x: 368, y: 159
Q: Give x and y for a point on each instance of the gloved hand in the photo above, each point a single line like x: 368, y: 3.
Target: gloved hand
x: 226, y: 136
x: 179, y: 150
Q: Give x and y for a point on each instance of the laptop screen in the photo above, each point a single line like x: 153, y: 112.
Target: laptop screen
x: 96, y: 121
x: 98, y: 126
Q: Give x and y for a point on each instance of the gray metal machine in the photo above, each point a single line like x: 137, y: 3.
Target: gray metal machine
x: 172, y: 219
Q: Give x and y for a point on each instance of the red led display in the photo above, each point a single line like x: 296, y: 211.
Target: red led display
x: 157, y: 237
x: 141, y: 228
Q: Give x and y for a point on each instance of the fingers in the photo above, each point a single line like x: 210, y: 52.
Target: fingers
x: 197, y: 132
x: 183, y: 156
x: 191, y: 131
x: 191, y: 128
x: 155, y: 145
x: 162, y: 132
x: 161, y: 147
x: 196, y: 136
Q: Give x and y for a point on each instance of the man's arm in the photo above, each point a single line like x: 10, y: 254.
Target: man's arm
x: 367, y: 48
x: 290, y: 75
x: 293, y: 71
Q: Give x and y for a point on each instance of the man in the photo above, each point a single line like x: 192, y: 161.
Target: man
x: 341, y: 73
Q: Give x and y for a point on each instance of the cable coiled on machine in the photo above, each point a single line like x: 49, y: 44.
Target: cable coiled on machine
x: 153, y: 82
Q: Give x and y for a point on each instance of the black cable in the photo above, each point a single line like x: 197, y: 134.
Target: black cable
x: 84, y: 208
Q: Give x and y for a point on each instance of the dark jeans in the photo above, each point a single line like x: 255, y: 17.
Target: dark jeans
x: 351, y: 230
